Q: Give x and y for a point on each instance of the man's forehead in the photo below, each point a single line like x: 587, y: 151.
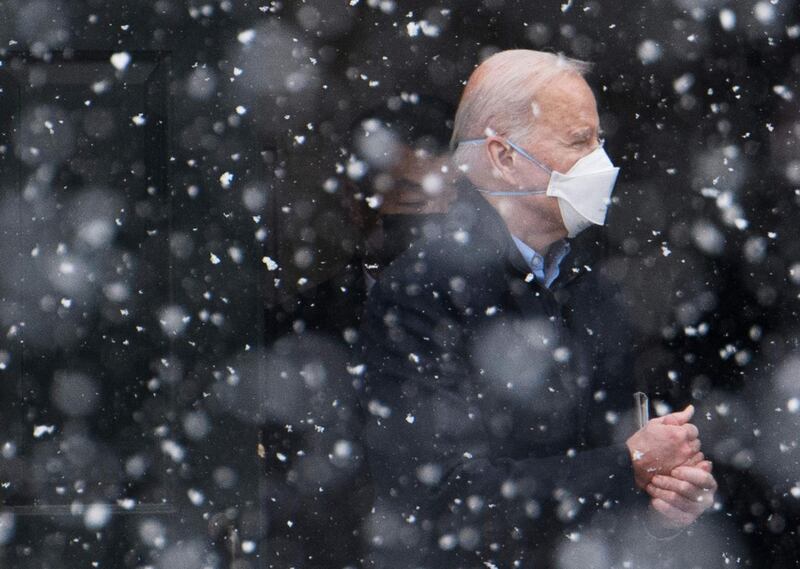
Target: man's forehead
x: 567, y: 103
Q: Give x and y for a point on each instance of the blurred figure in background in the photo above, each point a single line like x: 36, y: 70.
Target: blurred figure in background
x: 397, y: 186
x: 397, y: 190
x: 410, y: 181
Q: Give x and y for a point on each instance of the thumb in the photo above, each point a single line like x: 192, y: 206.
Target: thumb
x: 679, y: 418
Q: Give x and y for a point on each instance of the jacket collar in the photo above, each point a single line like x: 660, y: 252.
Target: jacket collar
x: 474, y: 214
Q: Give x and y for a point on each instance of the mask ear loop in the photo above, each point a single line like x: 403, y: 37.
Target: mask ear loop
x: 512, y: 194
x: 523, y: 153
x: 529, y: 157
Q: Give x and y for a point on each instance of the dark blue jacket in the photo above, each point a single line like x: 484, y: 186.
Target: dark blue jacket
x: 488, y: 434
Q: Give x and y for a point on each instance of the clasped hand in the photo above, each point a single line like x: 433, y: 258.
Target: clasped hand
x: 669, y: 466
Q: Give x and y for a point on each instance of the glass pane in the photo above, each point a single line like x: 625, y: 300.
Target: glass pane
x: 89, y: 398
x: 195, y: 197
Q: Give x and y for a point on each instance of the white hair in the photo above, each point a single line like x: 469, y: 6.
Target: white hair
x: 500, y: 96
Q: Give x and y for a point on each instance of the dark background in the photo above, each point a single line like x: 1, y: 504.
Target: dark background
x: 132, y: 279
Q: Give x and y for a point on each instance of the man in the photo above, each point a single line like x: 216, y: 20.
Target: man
x: 479, y: 438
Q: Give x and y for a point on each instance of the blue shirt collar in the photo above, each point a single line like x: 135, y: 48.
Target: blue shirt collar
x: 544, y: 270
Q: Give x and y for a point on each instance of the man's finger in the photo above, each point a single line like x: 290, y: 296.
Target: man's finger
x: 695, y: 476
x: 696, y: 460
x: 691, y: 431
x: 693, y: 492
x: 674, y: 499
x: 704, y: 465
x: 679, y: 418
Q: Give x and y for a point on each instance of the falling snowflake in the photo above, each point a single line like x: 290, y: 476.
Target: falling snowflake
x: 121, y: 60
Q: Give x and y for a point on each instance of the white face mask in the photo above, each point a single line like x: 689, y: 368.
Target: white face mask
x: 583, y: 193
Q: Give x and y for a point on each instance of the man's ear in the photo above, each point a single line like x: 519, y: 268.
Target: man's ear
x: 501, y: 157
